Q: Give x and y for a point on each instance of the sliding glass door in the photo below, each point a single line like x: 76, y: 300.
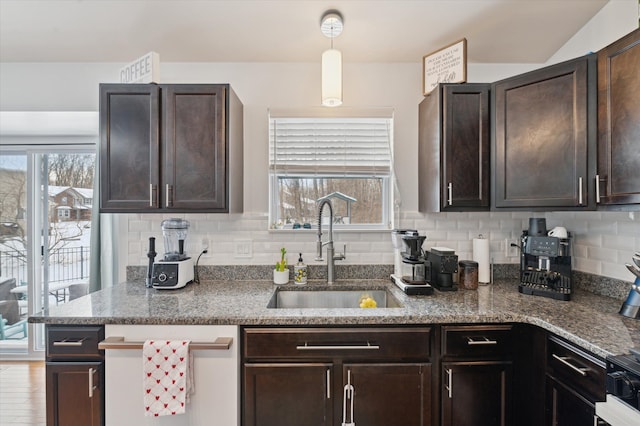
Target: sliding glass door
x: 46, y: 201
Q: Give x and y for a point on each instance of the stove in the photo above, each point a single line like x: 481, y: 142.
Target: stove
x: 622, y: 406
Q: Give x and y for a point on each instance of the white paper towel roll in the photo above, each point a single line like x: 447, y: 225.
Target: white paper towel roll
x: 481, y: 255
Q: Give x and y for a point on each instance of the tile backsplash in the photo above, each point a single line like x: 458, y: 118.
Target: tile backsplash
x: 602, y: 241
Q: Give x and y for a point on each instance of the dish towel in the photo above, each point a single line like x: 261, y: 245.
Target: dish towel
x: 166, y: 377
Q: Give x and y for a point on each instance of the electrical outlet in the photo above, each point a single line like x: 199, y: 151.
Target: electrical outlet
x: 243, y: 249
x: 509, y: 250
x: 205, y: 244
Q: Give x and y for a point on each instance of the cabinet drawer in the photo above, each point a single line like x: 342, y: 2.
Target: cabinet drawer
x: 346, y: 343
x: 74, y: 342
x: 476, y: 341
x: 576, y: 369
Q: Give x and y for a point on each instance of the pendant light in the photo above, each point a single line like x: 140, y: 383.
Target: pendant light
x: 331, y: 26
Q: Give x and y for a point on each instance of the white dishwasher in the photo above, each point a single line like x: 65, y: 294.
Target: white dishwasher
x: 216, y: 372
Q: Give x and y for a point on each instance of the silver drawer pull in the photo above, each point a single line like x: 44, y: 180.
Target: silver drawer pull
x: 579, y: 370
x: 74, y: 343
x: 484, y: 341
x: 449, y: 384
x: 307, y: 347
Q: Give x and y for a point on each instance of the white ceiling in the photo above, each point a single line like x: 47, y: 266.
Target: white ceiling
x: 503, y: 31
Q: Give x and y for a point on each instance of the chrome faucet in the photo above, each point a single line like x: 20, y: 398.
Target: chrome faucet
x: 331, y: 256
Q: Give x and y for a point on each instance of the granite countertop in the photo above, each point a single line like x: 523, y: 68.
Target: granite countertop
x: 588, y: 320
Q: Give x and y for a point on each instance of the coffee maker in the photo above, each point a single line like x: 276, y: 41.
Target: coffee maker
x: 545, y: 261
x: 409, y: 266
x: 175, y: 269
x: 441, y: 263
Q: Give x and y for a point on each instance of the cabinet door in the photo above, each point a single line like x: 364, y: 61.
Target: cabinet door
x: 75, y: 393
x: 619, y: 121
x: 465, y: 139
x: 566, y: 407
x: 195, y: 175
x: 288, y: 394
x: 387, y: 394
x: 476, y: 393
x: 129, y: 147
x: 545, y: 127
x: 453, y: 148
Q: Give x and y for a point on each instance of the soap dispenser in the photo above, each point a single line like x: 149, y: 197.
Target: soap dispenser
x: 300, y: 271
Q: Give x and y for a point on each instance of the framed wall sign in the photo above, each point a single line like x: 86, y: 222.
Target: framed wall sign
x: 446, y: 65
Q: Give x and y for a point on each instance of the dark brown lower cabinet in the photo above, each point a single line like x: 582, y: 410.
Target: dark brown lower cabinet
x: 288, y: 394
x: 476, y: 393
x: 388, y: 394
x: 575, y: 380
x: 75, y: 393
x: 566, y: 407
x: 75, y: 375
x: 318, y: 376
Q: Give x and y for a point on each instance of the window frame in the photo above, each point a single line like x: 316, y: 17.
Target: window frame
x: 388, y: 195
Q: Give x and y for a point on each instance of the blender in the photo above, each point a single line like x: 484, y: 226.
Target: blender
x: 175, y: 269
x: 409, y: 265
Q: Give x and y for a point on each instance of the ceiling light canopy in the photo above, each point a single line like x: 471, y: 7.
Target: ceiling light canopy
x: 331, y: 25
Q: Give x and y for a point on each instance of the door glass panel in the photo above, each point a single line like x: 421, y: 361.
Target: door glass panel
x: 46, y: 200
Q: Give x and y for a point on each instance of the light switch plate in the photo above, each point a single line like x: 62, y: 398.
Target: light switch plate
x: 243, y: 249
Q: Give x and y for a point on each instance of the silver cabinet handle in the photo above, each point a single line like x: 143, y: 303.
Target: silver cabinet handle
x: 450, y: 191
x: 91, y: 386
x: 484, y: 341
x: 349, y: 394
x: 579, y: 370
x: 449, y: 384
x: 597, y: 189
x: 74, y: 343
x: 328, y: 383
x: 580, y: 190
x: 150, y: 195
x: 166, y: 200
x: 307, y: 347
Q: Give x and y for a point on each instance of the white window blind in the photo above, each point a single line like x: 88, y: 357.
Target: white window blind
x: 338, y: 146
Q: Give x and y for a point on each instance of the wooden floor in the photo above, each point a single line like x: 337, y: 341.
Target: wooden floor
x: 22, y: 393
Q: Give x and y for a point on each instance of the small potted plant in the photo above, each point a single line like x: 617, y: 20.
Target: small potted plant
x: 281, y: 272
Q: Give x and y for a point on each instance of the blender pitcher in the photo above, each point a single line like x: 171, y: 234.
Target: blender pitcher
x: 174, y: 232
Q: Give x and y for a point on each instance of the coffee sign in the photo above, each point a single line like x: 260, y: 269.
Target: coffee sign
x: 145, y: 69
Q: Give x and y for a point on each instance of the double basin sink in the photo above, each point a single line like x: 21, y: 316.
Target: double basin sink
x: 332, y: 299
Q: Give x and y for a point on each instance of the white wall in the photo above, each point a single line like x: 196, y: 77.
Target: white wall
x: 604, y: 241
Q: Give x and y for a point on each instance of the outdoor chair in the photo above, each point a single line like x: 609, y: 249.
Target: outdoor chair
x: 10, y: 331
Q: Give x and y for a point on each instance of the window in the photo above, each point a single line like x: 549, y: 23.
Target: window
x: 345, y: 159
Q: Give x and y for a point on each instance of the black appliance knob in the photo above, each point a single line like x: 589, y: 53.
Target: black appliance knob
x: 162, y: 277
x: 621, y: 385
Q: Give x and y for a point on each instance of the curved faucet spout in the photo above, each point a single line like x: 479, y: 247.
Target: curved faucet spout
x: 319, y: 243
x: 331, y: 256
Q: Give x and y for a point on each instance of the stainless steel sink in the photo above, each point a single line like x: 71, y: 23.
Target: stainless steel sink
x: 332, y: 299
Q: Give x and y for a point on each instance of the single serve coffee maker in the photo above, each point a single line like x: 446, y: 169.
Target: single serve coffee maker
x: 175, y: 269
x: 409, y: 267
x: 545, y: 261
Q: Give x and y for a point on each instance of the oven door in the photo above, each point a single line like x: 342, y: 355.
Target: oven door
x: 617, y: 413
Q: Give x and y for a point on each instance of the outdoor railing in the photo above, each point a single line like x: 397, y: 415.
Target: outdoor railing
x: 65, y: 264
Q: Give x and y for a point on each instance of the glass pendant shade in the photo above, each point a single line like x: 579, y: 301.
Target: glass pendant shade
x: 332, y: 78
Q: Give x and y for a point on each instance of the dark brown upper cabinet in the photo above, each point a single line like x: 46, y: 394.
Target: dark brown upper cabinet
x: 619, y: 122
x: 544, y: 138
x: 453, y: 148
x: 171, y: 148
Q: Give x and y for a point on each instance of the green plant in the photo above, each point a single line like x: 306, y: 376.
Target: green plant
x: 281, y: 265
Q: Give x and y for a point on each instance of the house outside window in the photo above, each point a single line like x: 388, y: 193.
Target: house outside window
x: 347, y: 160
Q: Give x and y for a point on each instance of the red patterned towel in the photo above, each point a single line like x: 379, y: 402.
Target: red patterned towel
x: 165, y: 381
